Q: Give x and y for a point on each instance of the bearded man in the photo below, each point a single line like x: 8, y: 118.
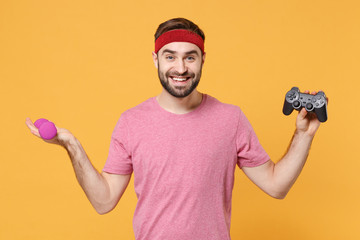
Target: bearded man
x: 183, y: 147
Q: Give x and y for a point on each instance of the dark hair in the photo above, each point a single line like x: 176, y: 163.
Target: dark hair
x: 178, y: 23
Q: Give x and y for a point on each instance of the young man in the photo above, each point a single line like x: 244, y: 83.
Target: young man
x: 183, y: 147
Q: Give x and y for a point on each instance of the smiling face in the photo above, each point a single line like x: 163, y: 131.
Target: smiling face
x: 179, y: 67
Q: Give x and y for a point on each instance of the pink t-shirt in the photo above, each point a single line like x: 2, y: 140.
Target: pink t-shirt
x: 183, y: 167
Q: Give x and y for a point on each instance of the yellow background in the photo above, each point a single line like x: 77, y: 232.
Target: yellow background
x: 82, y: 63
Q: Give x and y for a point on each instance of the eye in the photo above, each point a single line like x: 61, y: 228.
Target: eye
x: 190, y: 58
x: 169, y: 57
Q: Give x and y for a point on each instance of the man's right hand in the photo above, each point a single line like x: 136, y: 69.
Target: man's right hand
x: 62, y: 138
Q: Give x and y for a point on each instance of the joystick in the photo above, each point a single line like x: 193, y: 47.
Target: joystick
x: 46, y: 128
x: 294, y: 99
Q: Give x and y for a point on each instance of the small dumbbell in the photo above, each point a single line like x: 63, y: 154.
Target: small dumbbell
x: 46, y: 128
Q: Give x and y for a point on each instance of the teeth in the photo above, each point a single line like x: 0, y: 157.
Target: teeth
x: 179, y: 79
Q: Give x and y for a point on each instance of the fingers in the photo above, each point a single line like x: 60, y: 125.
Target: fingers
x: 312, y: 93
x: 32, y: 127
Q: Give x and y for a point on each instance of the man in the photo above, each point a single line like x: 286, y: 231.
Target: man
x: 183, y: 147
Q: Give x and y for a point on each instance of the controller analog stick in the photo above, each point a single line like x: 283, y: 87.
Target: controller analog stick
x: 296, y: 104
x: 309, y: 107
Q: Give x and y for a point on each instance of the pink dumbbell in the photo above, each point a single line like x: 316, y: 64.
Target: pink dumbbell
x: 46, y: 128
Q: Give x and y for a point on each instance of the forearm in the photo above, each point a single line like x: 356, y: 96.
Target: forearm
x: 287, y: 170
x: 92, y: 182
x: 277, y: 179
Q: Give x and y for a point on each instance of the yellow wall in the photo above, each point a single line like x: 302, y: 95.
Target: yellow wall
x: 82, y: 63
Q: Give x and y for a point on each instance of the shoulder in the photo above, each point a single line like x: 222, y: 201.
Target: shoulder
x: 223, y: 108
x: 135, y: 115
x: 141, y: 110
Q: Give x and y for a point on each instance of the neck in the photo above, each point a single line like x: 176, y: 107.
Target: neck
x: 179, y: 105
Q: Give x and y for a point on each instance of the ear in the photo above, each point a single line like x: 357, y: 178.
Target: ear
x: 203, y: 58
x: 155, y: 59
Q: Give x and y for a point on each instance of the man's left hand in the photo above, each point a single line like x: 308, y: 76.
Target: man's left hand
x: 307, y: 122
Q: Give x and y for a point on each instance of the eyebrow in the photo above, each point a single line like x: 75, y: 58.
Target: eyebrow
x: 173, y: 52
x: 192, y: 52
x: 168, y: 51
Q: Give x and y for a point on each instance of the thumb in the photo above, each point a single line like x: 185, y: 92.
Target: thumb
x: 302, y: 113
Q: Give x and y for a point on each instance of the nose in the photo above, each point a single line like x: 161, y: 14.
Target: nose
x: 181, y: 67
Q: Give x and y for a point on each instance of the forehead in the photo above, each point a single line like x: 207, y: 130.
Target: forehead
x: 180, y: 48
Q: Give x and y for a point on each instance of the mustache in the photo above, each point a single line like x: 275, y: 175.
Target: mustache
x: 177, y: 74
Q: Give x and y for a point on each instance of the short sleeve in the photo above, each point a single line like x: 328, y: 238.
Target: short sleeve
x: 119, y: 158
x: 250, y: 153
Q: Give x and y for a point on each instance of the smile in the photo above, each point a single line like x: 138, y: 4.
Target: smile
x: 180, y: 79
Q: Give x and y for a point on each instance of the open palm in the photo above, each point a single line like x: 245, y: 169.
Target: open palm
x: 63, y: 135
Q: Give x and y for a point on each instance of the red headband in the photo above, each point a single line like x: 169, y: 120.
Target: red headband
x: 179, y: 35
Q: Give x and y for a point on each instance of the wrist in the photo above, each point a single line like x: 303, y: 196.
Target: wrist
x: 69, y: 143
x: 303, y: 135
x: 74, y: 149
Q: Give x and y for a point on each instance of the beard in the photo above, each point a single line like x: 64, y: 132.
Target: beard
x: 179, y: 91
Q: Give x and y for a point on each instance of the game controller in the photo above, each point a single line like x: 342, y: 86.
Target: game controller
x: 46, y: 128
x: 294, y: 99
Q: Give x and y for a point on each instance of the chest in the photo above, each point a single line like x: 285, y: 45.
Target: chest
x: 184, y: 151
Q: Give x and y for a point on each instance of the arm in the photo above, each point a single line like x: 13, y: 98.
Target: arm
x: 103, y: 190
x: 277, y: 179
